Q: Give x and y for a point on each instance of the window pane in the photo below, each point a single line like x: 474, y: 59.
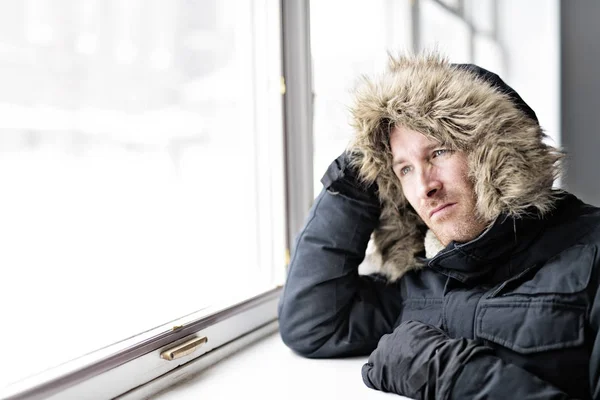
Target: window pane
x: 488, y: 54
x: 442, y: 30
x: 141, y: 167
x: 343, y: 50
x: 482, y: 14
x: 455, y: 4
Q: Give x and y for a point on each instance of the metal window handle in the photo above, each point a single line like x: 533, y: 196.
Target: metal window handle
x: 183, y: 349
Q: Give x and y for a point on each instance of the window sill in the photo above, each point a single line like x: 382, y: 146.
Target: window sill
x: 267, y: 367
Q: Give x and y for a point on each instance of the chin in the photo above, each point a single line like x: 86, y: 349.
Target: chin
x: 447, y: 236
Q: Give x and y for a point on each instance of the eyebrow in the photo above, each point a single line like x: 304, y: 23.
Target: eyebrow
x: 427, y: 149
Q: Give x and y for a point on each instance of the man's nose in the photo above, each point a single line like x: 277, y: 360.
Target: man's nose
x: 429, y: 185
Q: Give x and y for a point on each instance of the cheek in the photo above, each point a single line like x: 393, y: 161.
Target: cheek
x: 457, y: 176
x: 409, y: 194
x: 461, y: 168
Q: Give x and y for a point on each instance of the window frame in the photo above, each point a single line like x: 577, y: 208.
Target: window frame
x: 133, y: 367
x: 119, y: 368
x: 298, y: 110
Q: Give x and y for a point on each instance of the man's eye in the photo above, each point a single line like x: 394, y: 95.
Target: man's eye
x: 404, y: 171
x: 440, y: 152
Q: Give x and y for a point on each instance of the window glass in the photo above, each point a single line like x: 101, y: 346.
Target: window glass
x: 482, y: 14
x: 343, y: 49
x: 141, y: 167
x: 488, y: 54
x: 455, y: 4
x: 444, y: 31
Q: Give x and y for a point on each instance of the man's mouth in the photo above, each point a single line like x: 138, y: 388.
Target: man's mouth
x: 440, y: 208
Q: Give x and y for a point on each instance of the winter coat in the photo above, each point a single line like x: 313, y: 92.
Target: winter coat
x: 514, y: 313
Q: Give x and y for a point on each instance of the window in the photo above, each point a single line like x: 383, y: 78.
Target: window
x: 443, y: 29
x: 487, y: 47
x: 358, y: 44
x: 142, y: 167
x: 482, y: 15
x: 149, y: 187
x: 463, y: 30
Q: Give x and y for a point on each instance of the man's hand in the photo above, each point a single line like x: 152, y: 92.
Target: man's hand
x: 419, y: 361
x: 399, y: 364
x: 342, y: 176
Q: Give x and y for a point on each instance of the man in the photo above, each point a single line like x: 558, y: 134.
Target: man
x: 487, y: 277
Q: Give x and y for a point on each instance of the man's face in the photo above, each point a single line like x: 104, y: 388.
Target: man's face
x: 435, y: 182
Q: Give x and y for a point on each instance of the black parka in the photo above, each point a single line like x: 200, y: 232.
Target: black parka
x: 519, y: 305
x: 527, y: 288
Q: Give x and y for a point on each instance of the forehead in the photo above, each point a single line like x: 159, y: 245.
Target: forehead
x: 405, y: 142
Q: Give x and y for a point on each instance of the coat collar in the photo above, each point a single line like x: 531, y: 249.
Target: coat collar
x: 506, y: 237
x: 504, y: 241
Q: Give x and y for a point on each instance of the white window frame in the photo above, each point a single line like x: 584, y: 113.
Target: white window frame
x: 298, y: 109
x: 119, y: 368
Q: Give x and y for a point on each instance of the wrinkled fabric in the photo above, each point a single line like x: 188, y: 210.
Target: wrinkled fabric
x: 513, y: 313
x: 421, y: 362
x: 527, y: 290
x: 405, y: 353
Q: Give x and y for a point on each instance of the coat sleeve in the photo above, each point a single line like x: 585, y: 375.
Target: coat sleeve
x: 327, y: 309
x: 420, y: 361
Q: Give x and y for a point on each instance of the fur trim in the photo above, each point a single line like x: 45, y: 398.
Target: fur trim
x: 432, y: 244
x: 511, y: 167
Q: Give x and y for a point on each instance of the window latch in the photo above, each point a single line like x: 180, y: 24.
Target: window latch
x: 183, y: 349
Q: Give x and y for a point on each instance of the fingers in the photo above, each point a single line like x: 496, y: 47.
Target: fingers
x: 366, y: 372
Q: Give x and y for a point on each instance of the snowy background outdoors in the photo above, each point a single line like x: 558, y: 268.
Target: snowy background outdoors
x: 128, y: 168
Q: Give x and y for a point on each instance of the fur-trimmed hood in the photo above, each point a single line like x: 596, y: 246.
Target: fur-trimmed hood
x: 468, y: 109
